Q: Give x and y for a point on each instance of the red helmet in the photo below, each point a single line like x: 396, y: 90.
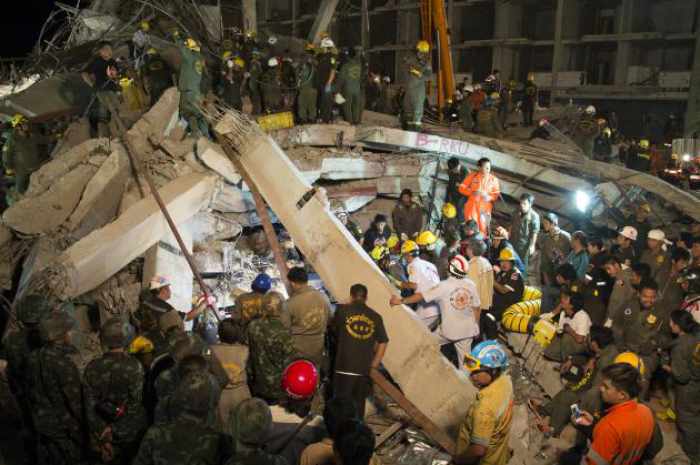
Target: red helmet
x: 300, y: 379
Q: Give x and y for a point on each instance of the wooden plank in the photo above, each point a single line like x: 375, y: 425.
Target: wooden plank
x: 386, y: 434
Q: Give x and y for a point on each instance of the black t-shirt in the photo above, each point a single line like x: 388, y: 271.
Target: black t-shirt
x: 357, y: 328
x: 98, y: 68
x: 326, y: 65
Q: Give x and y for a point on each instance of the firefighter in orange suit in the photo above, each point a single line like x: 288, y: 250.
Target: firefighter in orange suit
x: 482, y: 189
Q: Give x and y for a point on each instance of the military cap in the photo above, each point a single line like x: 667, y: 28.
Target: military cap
x: 32, y: 308
x: 55, y: 325
x: 251, y: 421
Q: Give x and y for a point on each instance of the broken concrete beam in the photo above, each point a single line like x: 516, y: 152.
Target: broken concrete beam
x: 322, y: 135
x: 337, y: 169
x: 213, y: 156
x: 102, y: 195
x: 230, y: 199
x: 42, y: 179
x: 47, y: 211
x: 77, y: 133
x: 166, y: 259
x: 326, y: 244
x: 154, y: 125
x: 208, y: 226
x: 102, y: 253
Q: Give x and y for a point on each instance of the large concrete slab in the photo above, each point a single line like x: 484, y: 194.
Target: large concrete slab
x: 413, y: 357
x: 98, y: 256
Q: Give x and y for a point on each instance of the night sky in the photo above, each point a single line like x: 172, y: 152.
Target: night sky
x: 21, y: 23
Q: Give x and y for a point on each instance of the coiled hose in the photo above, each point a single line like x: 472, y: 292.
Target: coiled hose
x: 531, y: 293
x: 523, y: 317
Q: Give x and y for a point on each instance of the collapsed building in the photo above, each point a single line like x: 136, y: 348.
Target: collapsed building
x: 90, y: 231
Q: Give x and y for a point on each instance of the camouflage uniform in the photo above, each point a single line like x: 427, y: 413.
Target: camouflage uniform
x: 271, y: 350
x: 309, y: 311
x: 113, y: 384
x: 251, y: 423
x: 148, y: 314
x: 55, y: 393
x: 166, y: 385
x: 188, y: 439
x: 248, y: 308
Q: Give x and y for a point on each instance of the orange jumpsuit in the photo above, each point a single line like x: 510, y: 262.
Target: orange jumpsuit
x: 478, y: 208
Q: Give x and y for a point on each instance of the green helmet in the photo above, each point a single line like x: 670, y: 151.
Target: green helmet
x: 116, y: 333
x: 55, y: 325
x: 251, y: 422
x: 195, y: 393
x: 32, y: 308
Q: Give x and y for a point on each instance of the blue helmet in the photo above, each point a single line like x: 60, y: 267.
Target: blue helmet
x: 262, y: 283
x: 486, y: 354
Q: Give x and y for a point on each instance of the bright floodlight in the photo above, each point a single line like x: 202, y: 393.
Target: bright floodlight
x: 582, y: 201
x: 686, y: 157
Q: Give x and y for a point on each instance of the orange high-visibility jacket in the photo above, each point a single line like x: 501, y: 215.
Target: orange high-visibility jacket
x: 476, y: 205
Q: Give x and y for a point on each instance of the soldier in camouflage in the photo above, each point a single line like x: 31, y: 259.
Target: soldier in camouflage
x: 271, y: 349
x: 55, y: 393
x: 188, y: 439
x: 113, y: 387
x: 249, y: 305
x: 18, y: 346
x: 251, y: 423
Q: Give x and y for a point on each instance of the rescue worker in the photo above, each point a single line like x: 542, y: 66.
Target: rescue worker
x: 422, y: 276
x: 157, y: 75
x: 555, y: 245
x: 487, y: 118
x: 255, y: 73
x: 638, y: 328
x: 476, y: 100
x: 684, y: 368
x: 622, y: 290
x: 350, y: 80
x: 656, y: 255
x: 670, y: 290
x: 113, y: 388
x: 325, y: 79
x: 360, y: 345
x: 586, y: 131
x: 230, y: 361
x: 24, y: 154
x: 504, y: 104
x: 19, y: 345
x: 426, y: 243
x: 271, y: 87
x: 481, y: 189
x: 154, y: 304
x: 484, y: 433
x: 271, y: 349
x: 387, y: 97
x: 573, y: 329
x: 529, y: 100
x: 377, y: 233
x: 640, y: 160
x: 232, y: 82
x: 343, y: 217
x: 306, y: 82
x: 419, y: 70
x: 249, y: 306
x: 391, y: 268
x: 309, y: 311
x: 251, y: 424
x: 407, y: 216
x: 481, y: 273
x: 101, y: 75
x: 458, y: 299
x: 624, y: 249
x: 639, y: 220
x: 449, y: 223
x: 465, y: 110
x: 188, y: 438
x: 524, y: 230
x: 690, y: 283
x: 189, y: 84
x: 140, y: 43
x: 373, y: 92
x: 456, y: 173
x: 602, y: 146
x: 508, y: 285
x: 56, y: 394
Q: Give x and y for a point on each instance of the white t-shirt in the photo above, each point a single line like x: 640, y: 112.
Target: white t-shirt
x: 457, y: 298
x: 425, y: 276
x: 580, y: 322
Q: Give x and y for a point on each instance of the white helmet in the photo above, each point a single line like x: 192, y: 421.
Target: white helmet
x: 339, y: 99
x: 327, y: 42
x: 272, y: 62
x: 459, y: 266
x: 272, y: 40
x: 590, y: 110
x: 469, y: 88
x: 386, y: 79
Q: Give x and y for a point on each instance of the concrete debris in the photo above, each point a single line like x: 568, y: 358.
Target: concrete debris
x: 350, y: 168
x: 47, y: 211
x: 210, y: 226
x: 213, y: 157
x: 155, y: 125
x: 119, y: 295
x: 166, y: 259
x: 77, y: 133
x: 96, y: 258
x: 229, y: 199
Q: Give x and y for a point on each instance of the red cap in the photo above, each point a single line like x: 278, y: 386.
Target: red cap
x: 300, y: 379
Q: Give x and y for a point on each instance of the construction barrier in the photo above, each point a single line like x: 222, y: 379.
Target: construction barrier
x: 523, y: 317
x: 531, y: 293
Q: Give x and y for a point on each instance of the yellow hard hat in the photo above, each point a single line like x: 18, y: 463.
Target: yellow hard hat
x: 125, y: 82
x: 17, y: 120
x: 151, y: 51
x: 631, y: 358
x: 495, y: 95
x: 544, y: 332
x: 409, y: 247
x: 423, y: 46
x: 226, y: 55
x: 449, y: 211
x: 192, y: 44
x: 644, y: 143
x: 426, y: 238
x: 141, y: 345
x: 607, y: 132
x: 379, y: 252
x: 392, y: 241
x: 145, y: 26
x: 238, y: 61
x: 506, y: 255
